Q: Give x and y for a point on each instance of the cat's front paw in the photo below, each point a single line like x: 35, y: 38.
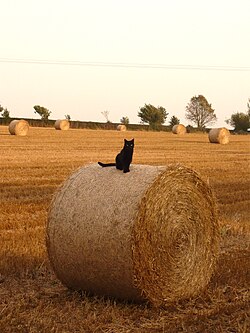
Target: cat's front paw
x: 126, y: 170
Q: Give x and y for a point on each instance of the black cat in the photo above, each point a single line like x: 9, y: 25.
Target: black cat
x: 124, y: 158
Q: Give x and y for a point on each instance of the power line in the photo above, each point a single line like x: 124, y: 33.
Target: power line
x: 125, y: 65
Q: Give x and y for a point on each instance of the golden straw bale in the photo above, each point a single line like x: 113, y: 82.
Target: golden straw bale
x: 121, y: 127
x: 19, y: 127
x: 219, y: 135
x: 62, y: 124
x: 150, y: 234
x: 179, y: 129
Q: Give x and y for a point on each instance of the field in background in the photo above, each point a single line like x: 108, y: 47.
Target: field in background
x: 32, y: 168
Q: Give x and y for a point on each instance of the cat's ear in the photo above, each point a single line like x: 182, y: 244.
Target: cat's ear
x: 125, y: 141
x: 133, y: 140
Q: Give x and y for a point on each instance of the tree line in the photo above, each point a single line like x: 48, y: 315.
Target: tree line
x: 198, y: 111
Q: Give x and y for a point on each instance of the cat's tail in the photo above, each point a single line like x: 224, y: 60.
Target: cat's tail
x: 106, y: 165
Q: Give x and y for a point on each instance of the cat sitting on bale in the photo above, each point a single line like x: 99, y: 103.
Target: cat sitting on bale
x: 124, y: 158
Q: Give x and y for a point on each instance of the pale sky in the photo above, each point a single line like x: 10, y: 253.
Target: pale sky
x: 176, y: 36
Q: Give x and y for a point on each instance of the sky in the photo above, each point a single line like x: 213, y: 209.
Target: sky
x: 81, y: 58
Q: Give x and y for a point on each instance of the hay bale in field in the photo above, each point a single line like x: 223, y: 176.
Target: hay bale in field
x: 121, y: 128
x: 179, y: 129
x: 62, y: 124
x: 19, y: 127
x: 219, y: 135
x: 149, y: 234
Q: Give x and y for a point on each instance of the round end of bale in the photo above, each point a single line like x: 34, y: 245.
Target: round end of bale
x: 151, y: 234
x: 219, y: 135
x: 175, y: 237
x: 179, y: 129
x: 19, y: 127
x: 121, y: 128
x: 62, y: 125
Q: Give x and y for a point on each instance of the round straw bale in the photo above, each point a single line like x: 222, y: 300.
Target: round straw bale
x: 179, y: 129
x: 62, y: 124
x: 151, y: 234
x: 121, y: 127
x: 219, y: 135
x: 19, y: 127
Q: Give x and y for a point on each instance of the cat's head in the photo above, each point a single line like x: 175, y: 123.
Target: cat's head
x: 129, y: 143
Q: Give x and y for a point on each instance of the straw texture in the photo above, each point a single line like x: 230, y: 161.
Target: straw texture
x: 150, y: 234
x: 219, y: 135
x: 121, y: 128
x: 62, y: 124
x: 179, y: 129
x: 19, y: 127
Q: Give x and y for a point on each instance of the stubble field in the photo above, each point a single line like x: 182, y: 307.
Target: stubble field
x: 32, y: 168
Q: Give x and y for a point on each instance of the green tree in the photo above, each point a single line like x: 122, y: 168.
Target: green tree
x: 5, y: 113
x: 200, y: 112
x: 124, y: 120
x: 153, y: 116
x: 43, y: 112
x: 174, y: 121
x: 240, y: 121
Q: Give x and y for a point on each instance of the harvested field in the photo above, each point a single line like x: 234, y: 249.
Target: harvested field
x: 32, y: 168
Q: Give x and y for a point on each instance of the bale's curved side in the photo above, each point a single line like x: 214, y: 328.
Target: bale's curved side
x: 89, y: 230
x: 12, y: 126
x: 179, y: 129
x: 62, y: 124
x: 219, y: 135
x: 149, y: 234
x: 121, y: 127
x: 19, y: 127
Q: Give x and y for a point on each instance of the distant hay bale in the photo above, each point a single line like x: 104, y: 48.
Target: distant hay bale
x: 219, y: 135
x: 151, y: 234
x: 62, y: 124
x: 121, y: 128
x: 179, y: 129
x: 19, y: 127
